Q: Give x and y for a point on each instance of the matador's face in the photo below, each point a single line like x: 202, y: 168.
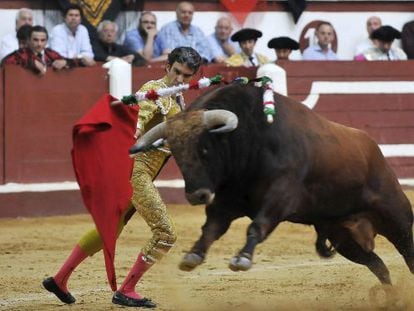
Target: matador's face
x: 178, y: 73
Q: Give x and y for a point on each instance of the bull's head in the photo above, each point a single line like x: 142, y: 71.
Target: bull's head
x: 187, y: 134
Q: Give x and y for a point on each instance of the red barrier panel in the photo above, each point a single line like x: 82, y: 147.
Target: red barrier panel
x: 37, y: 115
x: 386, y: 113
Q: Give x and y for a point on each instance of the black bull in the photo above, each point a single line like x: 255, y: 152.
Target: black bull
x: 301, y: 168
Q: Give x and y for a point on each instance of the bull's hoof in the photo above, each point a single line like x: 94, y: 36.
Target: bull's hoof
x: 240, y: 263
x: 190, y: 261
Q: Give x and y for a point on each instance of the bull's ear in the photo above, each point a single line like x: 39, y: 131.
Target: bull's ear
x: 227, y: 119
x: 145, y: 141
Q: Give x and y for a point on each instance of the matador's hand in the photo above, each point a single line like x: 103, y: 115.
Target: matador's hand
x: 137, y: 134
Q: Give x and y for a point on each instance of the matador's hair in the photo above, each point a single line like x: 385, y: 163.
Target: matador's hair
x: 185, y: 55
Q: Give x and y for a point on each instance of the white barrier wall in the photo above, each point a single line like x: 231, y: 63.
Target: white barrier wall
x: 349, y: 26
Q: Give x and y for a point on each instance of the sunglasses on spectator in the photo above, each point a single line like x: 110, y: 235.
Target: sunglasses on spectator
x: 148, y: 22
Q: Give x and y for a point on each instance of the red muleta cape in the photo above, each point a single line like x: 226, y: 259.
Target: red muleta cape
x: 101, y: 139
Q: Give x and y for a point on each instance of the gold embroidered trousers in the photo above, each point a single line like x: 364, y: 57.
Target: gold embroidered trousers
x: 149, y: 204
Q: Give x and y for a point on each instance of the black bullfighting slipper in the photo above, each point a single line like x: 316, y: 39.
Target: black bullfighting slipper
x: 123, y: 300
x: 52, y: 287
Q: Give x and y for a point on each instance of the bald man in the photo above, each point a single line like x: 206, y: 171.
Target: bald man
x: 182, y: 32
x: 220, y: 44
x: 9, y: 43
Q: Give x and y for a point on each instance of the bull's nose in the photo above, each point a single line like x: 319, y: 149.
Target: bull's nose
x: 201, y: 196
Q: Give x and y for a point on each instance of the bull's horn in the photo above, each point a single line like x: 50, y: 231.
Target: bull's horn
x: 215, y: 117
x: 148, y: 138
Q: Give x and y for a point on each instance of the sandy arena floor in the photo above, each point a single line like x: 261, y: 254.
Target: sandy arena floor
x: 287, y: 274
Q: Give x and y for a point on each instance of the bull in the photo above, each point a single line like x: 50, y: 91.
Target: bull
x: 301, y: 168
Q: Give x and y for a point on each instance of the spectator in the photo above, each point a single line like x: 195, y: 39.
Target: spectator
x: 383, y: 38
x: 9, y: 42
x: 23, y: 36
x: 106, y: 48
x: 144, y: 39
x: 71, y: 39
x: 36, y: 56
x: 322, y: 50
x: 220, y: 44
x: 373, y: 23
x: 283, y: 46
x: 93, y: 12
x: 247, y: 39
x: 407, y: 39
x: 182, y: 33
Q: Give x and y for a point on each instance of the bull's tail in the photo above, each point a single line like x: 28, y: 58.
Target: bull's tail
x: 324, y: 250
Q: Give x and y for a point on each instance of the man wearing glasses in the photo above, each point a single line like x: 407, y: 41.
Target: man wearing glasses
x: 144, y: 40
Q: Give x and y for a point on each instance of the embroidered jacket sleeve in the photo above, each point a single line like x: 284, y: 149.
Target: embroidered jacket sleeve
x: 235, y: 60
x: 149, y: 113
x: 262, y: 59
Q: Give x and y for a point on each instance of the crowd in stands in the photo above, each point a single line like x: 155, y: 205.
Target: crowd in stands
x: 70, y: 44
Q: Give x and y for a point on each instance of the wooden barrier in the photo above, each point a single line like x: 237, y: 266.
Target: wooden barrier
x: 37, y: 115
x: 387, y: 113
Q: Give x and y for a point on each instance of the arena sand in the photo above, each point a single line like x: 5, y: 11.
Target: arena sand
x: 287, y: 273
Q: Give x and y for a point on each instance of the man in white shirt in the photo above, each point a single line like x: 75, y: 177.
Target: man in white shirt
x: 9, y: 42
x: 182, y: 32
x: 373, y: 23
x: 322, y: 50
x: 71, y: 39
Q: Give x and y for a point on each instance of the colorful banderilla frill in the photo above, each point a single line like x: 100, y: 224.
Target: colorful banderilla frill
x: 268, y: 101
x: 133, y: 99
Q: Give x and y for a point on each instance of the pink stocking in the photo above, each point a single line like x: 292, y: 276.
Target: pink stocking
x: 137, y: 271
x: 62, y: 276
